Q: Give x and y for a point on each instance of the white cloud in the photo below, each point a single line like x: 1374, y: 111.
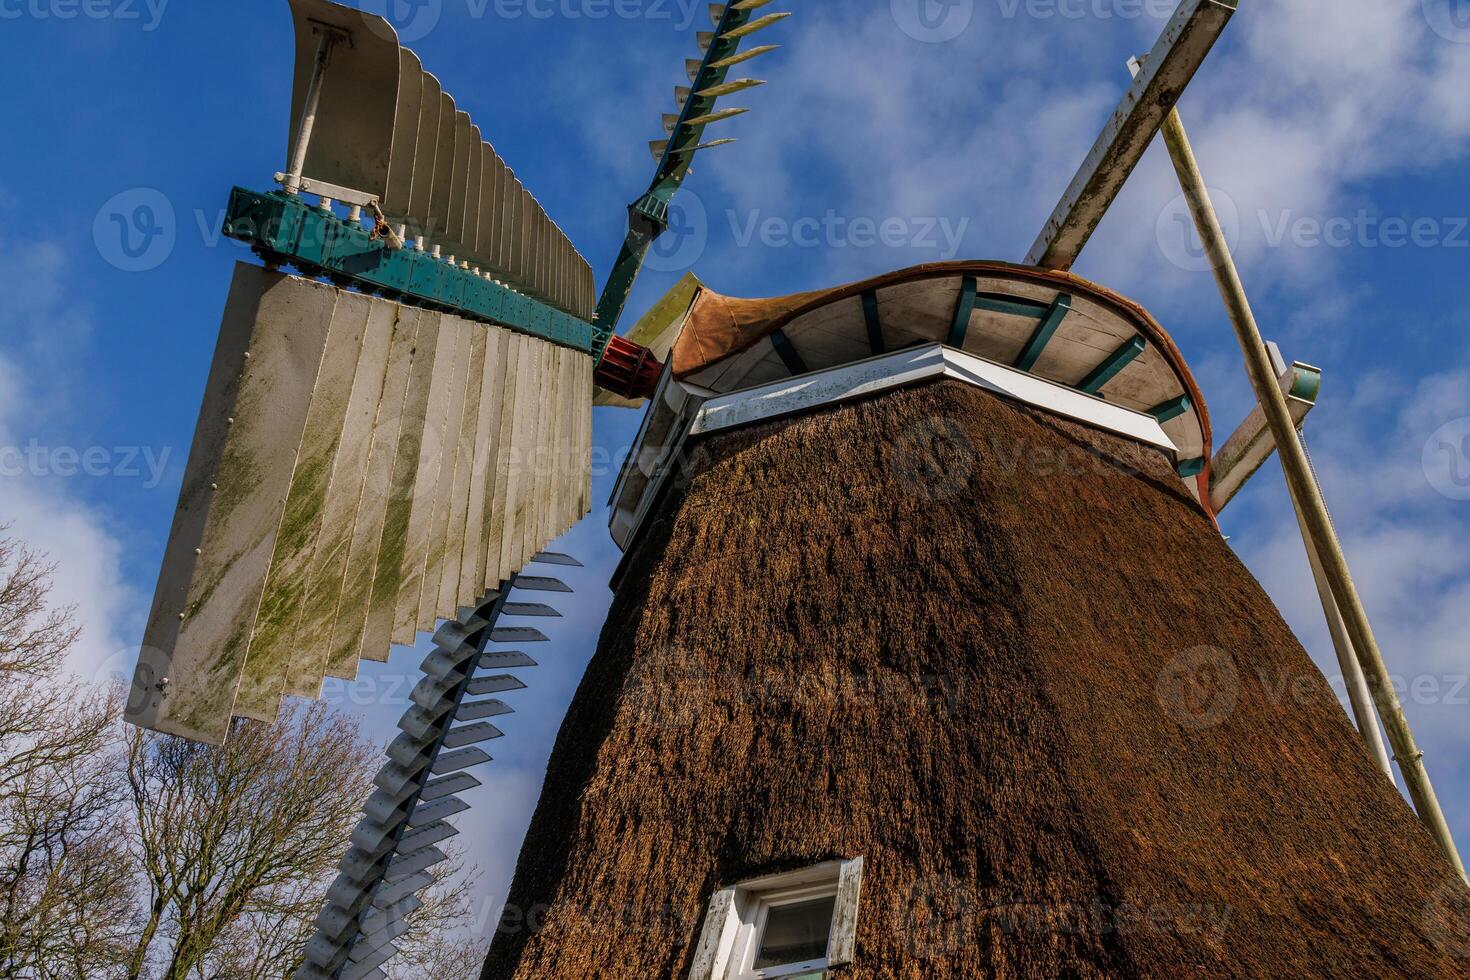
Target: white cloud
x: 41, y: 327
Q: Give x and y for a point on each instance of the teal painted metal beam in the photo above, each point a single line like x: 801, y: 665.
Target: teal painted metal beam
x: 788, y: 353
x: 1051, y: 321
x: 874, y: 322
x: 1171, y: 409
x: 964, y: 308
x: 1113, y: 366
x: 1191, y: 467
x: 1009, y: 304
x: 284, y: 229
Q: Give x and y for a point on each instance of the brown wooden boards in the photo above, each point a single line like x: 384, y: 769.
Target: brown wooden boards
x: 360, y: 470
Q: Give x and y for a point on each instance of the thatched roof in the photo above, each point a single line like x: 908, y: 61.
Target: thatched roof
x: 1007, y: 660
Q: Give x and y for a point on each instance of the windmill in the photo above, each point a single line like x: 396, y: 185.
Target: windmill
x: 389, y: 451
x: 392, y: 433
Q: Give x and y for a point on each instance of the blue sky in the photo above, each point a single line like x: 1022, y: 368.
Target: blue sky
x: 1334, y: 132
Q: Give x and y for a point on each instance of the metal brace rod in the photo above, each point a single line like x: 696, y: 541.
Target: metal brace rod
x: 308, y: 113
x: 1305, y: 491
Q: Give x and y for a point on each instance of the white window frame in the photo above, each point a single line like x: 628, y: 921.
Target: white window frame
x: 736, y: 921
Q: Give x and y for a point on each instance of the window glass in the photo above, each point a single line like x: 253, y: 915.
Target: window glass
x: 796, y: 933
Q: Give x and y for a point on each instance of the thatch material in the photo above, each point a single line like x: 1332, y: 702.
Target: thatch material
x: 1008, y: 661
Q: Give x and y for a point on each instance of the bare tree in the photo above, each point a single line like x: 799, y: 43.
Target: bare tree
x: 65, y: 894
x: 126, y: 853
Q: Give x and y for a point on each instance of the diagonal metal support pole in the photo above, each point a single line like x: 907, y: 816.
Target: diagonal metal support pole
x: 1305, y: 491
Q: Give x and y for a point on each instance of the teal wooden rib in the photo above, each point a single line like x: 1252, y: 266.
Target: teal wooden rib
x: 874, y: 322
x: 1191, y: 467
x: 1053, y: 318
x: 1113, y: 366
x: 994, y: 303
x: 1171, y: 409
x: 962, y: 311
x: 788, y: 353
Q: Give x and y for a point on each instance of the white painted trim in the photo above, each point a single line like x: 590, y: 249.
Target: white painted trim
x: 914, y: 366
x: 734, y: 922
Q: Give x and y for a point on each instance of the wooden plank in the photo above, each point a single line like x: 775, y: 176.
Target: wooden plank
x: 351, y: 142
x: 469, y: 233
x: 415, y: 479
x: 476, y: 531
x: 527, y: 393
x: 1168, y: 69
x: 230, y: 505
x: 438, y: 217
x: 842, y: 947
x: 382, y: 343
x: 451, y: 422
x: 272, y: 641
x: 402, y: 158
x: 530, y: 459
x: 469, y: 459
x: 425, y: 168
x: 589, y: 369
x: 459, y: 183
x: 498, y: 483
x: 399, y: 416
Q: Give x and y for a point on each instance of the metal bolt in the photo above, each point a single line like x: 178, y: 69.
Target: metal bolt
x: 181, y: 615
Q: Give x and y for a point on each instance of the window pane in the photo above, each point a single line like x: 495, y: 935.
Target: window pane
x: 796, y: 933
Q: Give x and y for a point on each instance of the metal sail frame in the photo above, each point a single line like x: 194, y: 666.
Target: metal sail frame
x: 648, y: 217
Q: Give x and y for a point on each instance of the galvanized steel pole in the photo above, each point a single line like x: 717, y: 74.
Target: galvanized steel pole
x: 1305, y: 490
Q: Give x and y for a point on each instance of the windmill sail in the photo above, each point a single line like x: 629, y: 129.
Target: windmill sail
x: 368, y: 463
